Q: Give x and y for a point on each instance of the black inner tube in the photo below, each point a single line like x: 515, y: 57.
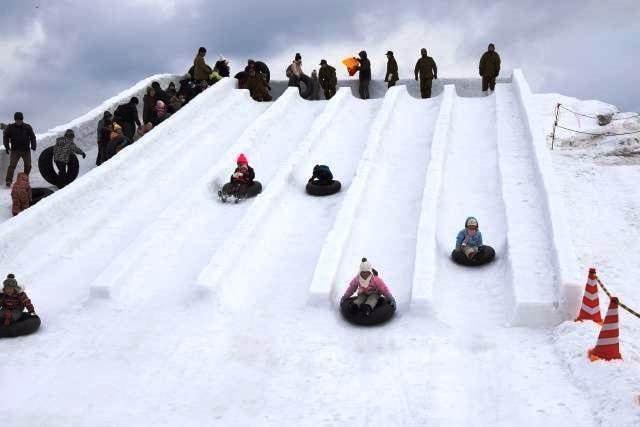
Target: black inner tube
x: 26, y: 325
x: 316, y: 189
x: 380, y: 314
x: 485, y: 255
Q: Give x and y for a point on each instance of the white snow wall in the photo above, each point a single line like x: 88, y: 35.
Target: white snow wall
x: 570, y: 289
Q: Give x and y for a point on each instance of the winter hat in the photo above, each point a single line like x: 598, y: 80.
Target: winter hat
x: 363, y: 54
x: 202, y: 50
x: 491, y: 47
x: 155, y: 86
x: 242, y: 159
x: 423, y: 51
x: 134, y: 100
x: 18, y: 116
x: 365, y: 266
x: 323, y: 62
x: 11, y: 282
x: 389, y: 53
x: 298, y: 57
x: 69, y: 133
x: 471, y: 221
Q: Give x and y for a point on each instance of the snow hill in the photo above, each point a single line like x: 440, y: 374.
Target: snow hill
x: 162, y: 305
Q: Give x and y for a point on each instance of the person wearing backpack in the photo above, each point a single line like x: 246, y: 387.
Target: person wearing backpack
x: 327, y: 78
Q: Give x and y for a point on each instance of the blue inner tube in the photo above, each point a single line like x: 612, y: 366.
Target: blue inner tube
x: 485, y: 255
x: 26, y: 325
x: 382, y: 313
x: 316, y: 189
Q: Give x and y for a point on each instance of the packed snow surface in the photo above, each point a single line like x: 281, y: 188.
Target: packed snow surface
x: 161, y: 305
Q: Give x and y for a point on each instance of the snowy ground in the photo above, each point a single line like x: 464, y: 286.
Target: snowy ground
x: 162, y: 305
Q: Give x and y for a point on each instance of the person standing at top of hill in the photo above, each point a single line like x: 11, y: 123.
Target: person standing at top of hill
x: 392, y: 70
x: 294, y: 71
x: 18, y: 138
x: 201, y: 71
x: 327, y: 79
x: 426, y: 70
x: 489, y: 69
x: 364, y: 74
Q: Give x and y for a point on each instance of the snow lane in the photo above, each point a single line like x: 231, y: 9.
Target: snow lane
x: 283, y: 125
x: 531, y: 252
x: 385, y: 225
x: 324, y: 275
x: 494, y: 374
x: 227, y: 254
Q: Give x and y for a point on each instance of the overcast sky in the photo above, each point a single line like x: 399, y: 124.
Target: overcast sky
x: 60, y: 58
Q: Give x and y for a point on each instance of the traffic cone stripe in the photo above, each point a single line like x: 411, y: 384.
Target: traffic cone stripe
x: 591, y: 296
x: 591, y: 310
x: 607, y: 341
x: 610, y: 327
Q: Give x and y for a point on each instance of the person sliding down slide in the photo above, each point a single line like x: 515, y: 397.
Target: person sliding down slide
x: 242, y: 183
x: 469, y: 248
x: 370, y: 287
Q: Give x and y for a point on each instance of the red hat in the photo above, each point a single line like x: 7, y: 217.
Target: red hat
x: 242, y: 160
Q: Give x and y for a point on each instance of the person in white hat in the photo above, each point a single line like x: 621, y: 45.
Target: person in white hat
x: 370, y: 287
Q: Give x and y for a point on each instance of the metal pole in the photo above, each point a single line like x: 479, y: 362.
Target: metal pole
x: 553, y: 133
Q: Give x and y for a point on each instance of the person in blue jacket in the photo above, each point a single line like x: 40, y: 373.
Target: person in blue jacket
x: 469, y: 247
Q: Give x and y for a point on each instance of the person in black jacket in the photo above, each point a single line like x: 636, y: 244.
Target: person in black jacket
x: 18, y: 138
x: 489, y: 69
x: 126, y: 115
x: 392, y: 70
x: 365, y: 75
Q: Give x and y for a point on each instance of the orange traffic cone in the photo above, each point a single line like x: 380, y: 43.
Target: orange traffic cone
x: 590, y: 309
x: 608, y: 345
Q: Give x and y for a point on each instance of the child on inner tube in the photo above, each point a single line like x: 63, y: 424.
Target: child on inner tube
x: 13, y: 301
x: 369, y: 287
x: 242, y: 177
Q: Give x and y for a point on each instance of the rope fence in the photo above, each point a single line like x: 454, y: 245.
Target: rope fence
x: 556, y: 125
x: 620, y: 304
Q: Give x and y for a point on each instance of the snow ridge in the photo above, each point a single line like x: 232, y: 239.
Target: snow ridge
x: 228, y: 252
x: 426, y: 244
x: 570, y: 276
x: 324, y: 276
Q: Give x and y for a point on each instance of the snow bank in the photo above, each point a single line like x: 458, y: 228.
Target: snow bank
x: 229, y: 251
x: 612, y: 386
x: 426, y: 245
x: 324, y: 276
x: 569, y: 275
x: 17, y: 232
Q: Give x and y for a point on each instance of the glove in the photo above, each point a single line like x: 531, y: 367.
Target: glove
x: 435, y: 77
x: 84, y: 155
x: 33, y: 146
x: 236, y: 174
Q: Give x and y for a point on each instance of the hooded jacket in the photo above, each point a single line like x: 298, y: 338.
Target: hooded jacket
x: 392, y: 70
x: 426, y: 68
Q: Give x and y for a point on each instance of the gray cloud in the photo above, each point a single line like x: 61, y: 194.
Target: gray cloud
x: 64, y: 57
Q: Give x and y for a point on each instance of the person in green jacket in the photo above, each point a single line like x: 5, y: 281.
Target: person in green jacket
x: 392, y: 70
x: 427, y: 70
x: 489, y: 69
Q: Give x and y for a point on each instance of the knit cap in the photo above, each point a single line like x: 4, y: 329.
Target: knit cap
x: 471, y: 221
x: 242, y: 159
x: 365, y: 265
x: 11, y: 282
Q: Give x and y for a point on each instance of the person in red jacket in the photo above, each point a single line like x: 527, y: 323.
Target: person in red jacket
x: 13, y: 301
